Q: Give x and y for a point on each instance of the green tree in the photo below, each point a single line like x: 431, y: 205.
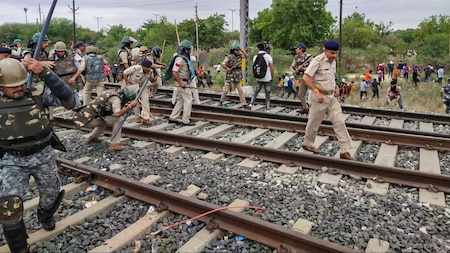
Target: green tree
x: 291, y: 21
x: 357, y: 32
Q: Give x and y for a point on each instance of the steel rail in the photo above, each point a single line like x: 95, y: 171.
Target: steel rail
x: 269, y: 234
x: 365, y: 170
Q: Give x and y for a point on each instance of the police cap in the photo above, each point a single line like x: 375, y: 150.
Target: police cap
x: 146, y: 63
x: 80, y: 44
x: 5, y: 50
x: 301, y: 46
x: 331, y: 45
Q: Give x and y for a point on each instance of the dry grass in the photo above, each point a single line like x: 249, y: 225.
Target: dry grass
x: 425, y: 98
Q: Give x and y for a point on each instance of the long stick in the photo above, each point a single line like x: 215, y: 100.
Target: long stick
x: 146, y: 108
x: 113, y: 135
x: 176, y: 31
x: 41, y: 39
x: 163, y: 46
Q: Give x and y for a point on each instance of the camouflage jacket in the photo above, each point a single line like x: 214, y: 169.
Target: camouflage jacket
x: 24, y: 122
x: 299, y: 61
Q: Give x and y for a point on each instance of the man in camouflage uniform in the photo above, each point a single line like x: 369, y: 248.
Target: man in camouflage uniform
x: 66, y: 68
x: 26, y: 145
x: 232, y: 64
x: 298, y: 67
x: 124, y: 55
x: 155, y: 57
x: 107, y: 109
x: 95, y: 77
x: 137, y: 74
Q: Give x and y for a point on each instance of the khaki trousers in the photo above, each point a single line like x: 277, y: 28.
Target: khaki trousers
x: 184, y: 103
x: 317, y: 112
x: 87, y: 90
x: 227, y: 88
x: 302, y: 93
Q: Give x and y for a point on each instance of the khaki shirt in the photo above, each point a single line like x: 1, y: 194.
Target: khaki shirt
x: 115, y: 103
x: 123, y: 56
x: 322, y: 72
x: 136, y: 75
x: 182, y: 67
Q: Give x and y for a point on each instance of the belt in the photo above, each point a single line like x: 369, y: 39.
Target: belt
x: 28, y: 151
x: 326, y: 93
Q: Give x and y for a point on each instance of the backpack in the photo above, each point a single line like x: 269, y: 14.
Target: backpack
x: 260, y: 66
x: 168, y: 72
x: 94, y: 69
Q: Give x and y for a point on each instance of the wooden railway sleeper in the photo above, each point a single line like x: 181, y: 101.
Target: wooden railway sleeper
x: 161, y: 206
x: 118, y: 192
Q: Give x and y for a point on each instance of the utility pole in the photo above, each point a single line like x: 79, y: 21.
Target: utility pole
x: 232, y: 16
x: 156, y: 17
x: 98, y: 23
x: 196, y: 35
x: 26, y: 17
x: 243, y: 11
x: 340, y: 29
x: 73, y: 17
x: 39, y: 11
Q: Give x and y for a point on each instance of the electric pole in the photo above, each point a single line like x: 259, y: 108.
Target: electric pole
x: 243, y: 11
x: 39, y: 11
x: 156, y: 17
x: 73, y: 17
x: 232, y: 16
x: 196, y: 35
x: 340, y: 29
x: 26, y: 18
x: 98, y: 23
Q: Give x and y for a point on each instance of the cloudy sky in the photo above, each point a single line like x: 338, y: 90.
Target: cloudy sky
x: 104, y: 13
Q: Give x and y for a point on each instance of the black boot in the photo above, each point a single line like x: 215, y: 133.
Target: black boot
x: 46, y: 219
x: 16, y: 237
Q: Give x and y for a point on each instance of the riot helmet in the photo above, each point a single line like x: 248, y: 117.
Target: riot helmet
x: 91, y: 49
x: 130, y: 91
x: 36, y: 37
x: 186, y: 44
x: 12, y: 73
x: 60, y: 46
x: 157, y: 51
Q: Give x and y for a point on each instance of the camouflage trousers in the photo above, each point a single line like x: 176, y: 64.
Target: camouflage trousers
x: 16, y: 172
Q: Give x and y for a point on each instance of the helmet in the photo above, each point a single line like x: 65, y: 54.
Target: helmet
x: 36, y: 37
x: 60, y: 46
x: 80, y: 43
x: 17, y: 41
x: 91, y: 49
x: 130, y: 91
x: 126, y: 40
x: 235, y: 46
x: 143, y: 49
x: 157, y: 51
x: 186, y: 44
x: 12, y: 73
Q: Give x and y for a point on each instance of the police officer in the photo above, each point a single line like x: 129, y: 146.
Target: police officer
x: 43, y: 54
x: 26, y: 142
x: 107, y: 109
x: 183, y: 72
x: 232, y: 64
x: 66, y: 68
x: 319, y: 76
x: 124, y: 55
x: 298, y: 66
x: 137, y: 74
x: 5, y: 53
x: 95, y: 77
x: 155, y: 58
x: 445, y: 95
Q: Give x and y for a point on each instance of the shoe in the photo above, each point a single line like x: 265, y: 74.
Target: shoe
x: 190, y: 123
x: 117, y: 147
x: 48, y: 224
x: 311, y: 149
x: 147, y: 122
x: 138, y: 120
x: 303, y: 110
x: 93, y: 139
x: 347, y: 156
x: 172, y: 121
x: 220, y: 104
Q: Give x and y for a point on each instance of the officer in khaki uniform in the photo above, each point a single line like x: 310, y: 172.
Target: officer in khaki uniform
x: 137, y: 74
x: 232, y: 64
x: 320, y: 78
x: 183, y: 72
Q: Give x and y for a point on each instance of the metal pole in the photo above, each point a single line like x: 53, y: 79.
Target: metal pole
x: 243, y: 11
x: 26, y: 17
x: 41, y: 39
x: 232, y: 17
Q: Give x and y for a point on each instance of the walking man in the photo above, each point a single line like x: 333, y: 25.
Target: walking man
x: 232, y: 64
x: 445, y: 95
x: 267, y: 80
x: 320, y: 78
x: 298, y: 66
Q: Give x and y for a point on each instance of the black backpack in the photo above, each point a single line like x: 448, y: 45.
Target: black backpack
x: 260, y: 66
